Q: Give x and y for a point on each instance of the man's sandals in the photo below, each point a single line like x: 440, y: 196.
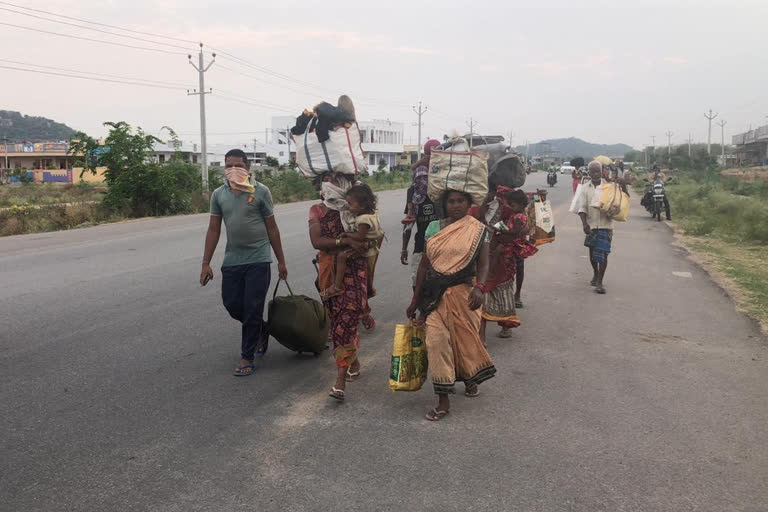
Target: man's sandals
x: 337, y: 394
x: 244, y: 370
x: 436, y: 414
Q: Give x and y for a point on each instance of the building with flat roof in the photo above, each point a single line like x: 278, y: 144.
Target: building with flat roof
x: 752, y: 147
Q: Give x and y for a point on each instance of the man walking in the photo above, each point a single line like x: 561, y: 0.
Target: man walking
x: 247, y: 212
x: 598, y: 227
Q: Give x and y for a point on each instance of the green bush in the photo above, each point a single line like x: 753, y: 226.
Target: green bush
x: 136, y: 185
x: 712, y: 209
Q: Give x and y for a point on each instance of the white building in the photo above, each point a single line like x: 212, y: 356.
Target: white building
x: 382, y: 139
x: 189, y: 152
x: 382, y: 142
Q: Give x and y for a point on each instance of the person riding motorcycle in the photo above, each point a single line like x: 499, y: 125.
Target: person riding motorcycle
x: 647, y: 201
x: 552, y: 177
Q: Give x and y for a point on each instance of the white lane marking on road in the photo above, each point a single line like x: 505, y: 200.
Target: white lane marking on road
x: 683, y: 274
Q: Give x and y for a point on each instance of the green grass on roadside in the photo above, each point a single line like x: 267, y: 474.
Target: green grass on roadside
x: 47, y: 194
x: 37, y: 208
x: 725, y: 222
x: 746, y: 265
x: 723, y: 208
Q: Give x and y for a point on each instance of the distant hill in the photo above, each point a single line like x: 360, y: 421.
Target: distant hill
x: 572, y: 146
x: 18, y: 128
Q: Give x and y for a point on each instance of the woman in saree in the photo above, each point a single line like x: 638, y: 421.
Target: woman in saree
x: 328, y: 220
x: 455, y: 257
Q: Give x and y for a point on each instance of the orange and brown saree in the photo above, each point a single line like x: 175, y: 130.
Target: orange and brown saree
x: 454, y: 348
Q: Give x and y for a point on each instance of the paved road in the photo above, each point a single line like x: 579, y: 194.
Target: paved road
x: 116, y: 389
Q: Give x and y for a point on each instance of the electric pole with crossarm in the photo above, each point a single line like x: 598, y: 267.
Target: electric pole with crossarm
x: 420, y: 112
x: 201, y: 69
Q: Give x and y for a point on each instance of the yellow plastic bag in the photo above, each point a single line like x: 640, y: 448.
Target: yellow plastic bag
x: 409, y: 358
x: 614, y: 202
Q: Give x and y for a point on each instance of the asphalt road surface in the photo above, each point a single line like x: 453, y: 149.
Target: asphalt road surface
x: 117, y: 394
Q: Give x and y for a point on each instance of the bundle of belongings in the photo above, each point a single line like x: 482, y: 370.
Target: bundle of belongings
x: 505, y: 166
x: 541, y: 221
x: 455, y: 166
x: 328, y: 140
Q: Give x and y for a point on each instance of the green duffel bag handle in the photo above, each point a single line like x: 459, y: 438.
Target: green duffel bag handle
x: 318, y: 307
x: 281, y: 280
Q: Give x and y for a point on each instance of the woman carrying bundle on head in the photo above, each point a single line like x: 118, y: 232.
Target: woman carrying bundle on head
x: 449, y: 301
x: 328, y: 221
x: 361, y: 202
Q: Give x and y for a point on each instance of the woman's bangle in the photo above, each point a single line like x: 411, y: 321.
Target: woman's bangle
x: 338, y: 242
x: 481, y: 287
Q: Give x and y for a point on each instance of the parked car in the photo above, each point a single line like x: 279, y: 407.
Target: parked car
x: 567, y: 169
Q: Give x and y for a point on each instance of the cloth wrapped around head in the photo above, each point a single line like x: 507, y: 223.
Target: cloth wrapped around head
x: 239, y: 180
x: 421, y: 171
x: 502, y: 191
x: 333, y: 193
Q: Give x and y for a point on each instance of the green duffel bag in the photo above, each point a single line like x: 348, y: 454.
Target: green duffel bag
x: 297, y: 322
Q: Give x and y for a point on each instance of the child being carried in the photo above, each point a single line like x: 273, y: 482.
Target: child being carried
x: 361, y: 203
x: 510, y: 241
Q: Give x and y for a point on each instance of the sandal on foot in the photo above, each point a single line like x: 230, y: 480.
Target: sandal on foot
x: 338, y: 394
x: 518, y: 303
x: 244, y: 370
x: 472, y: 392
x: 352, y: 376
x: 505, y: 333
x: 600, y: 289
x: 436, y: 414
x: 593, y: 282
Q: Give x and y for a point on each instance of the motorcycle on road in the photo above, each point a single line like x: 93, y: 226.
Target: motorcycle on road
x: 655, y: 200
x: 551, y: 178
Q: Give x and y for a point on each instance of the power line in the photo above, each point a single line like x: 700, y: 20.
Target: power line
x: 94, y: 29
x: 259, y: 79
x: 281, y: 76
x: 171, y: 52
x: 268, y: 71
x: 100, y: 24
x: 91, y: 73
x: 253, y: 100
x: 252, y: 103
x: 90, y: 78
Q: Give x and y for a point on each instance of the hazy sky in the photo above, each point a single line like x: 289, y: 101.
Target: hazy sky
x: 603, y: 71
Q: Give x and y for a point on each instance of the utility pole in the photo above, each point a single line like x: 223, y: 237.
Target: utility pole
x: 288, y: 141
x: 471, y: 123
x: 721, y: 123
x: 5, y: 143
x: 690, y: 139
x: 419, y: 112
x: 710, y: 117
x: 201, y: 69
x: 669, y: 143
x: 254, y: 150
